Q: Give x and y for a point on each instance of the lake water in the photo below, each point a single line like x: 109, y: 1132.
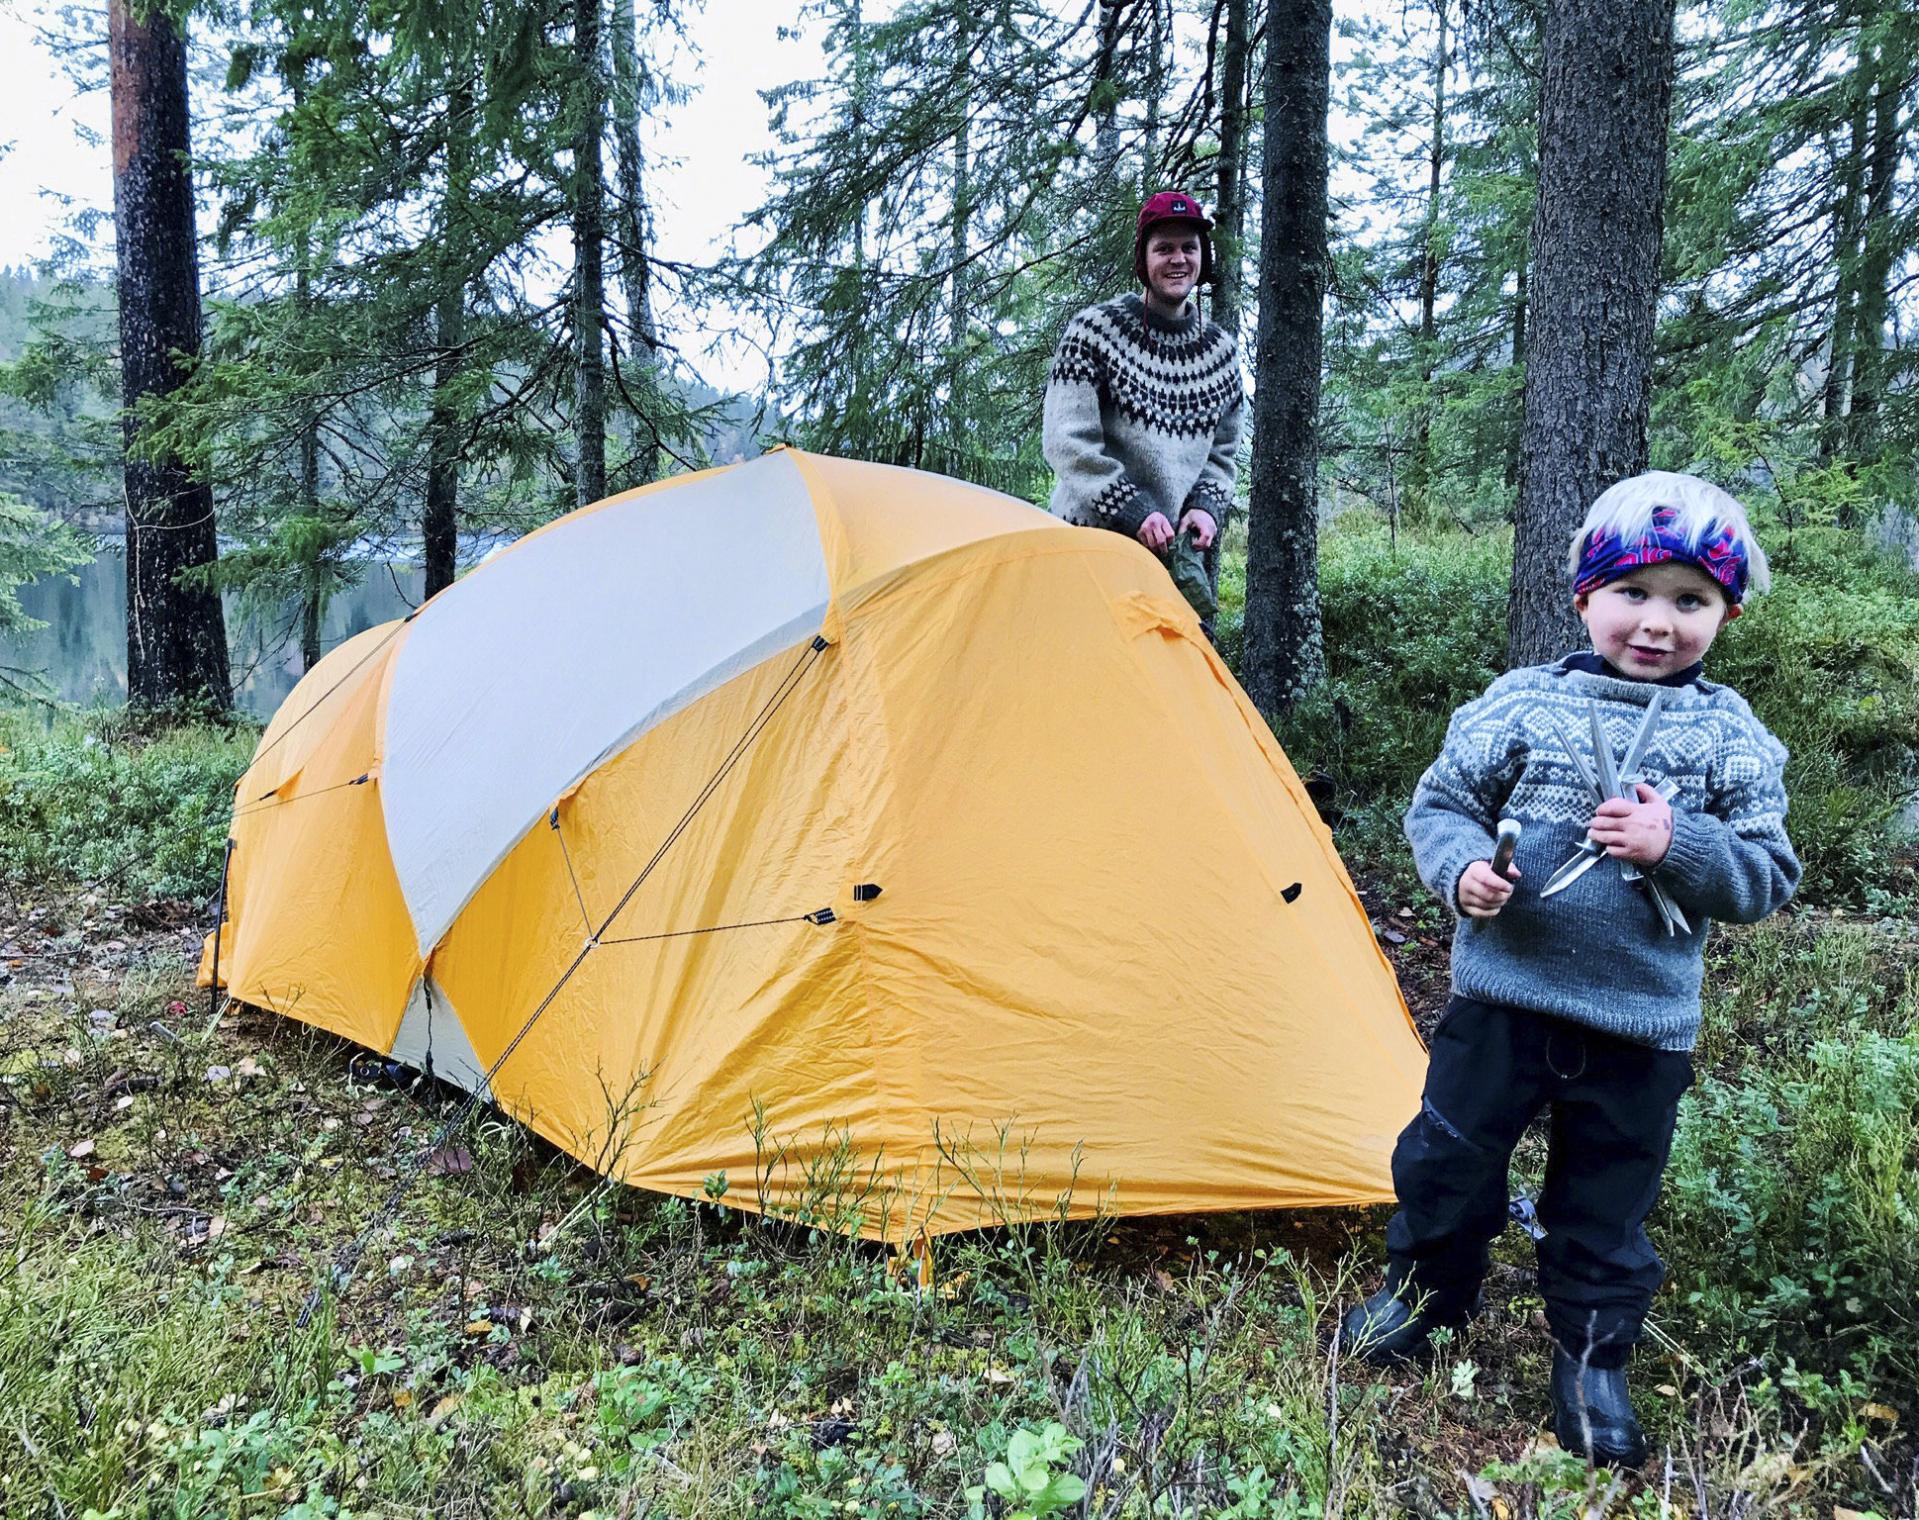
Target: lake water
x: 82, y: 652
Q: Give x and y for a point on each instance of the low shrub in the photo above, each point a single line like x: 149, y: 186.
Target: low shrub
x: 102, y: 799
x: 1792, y: 1203
x: 1829, y: 661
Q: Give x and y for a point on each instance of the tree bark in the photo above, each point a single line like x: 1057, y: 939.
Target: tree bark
x: 959, y: 234
x: 1284, y: 654
x: 1229, y: 216
x: 632, y: 227
x: 1878, y: 243
x: 440, y: 521
x: 176, y: 635
x: 1604, y: 100
x: 589, y: 251
x: 1419, y: 467
x: 312, y: 574
x: 440, y: 516
x: 1514, y: 425
x: 1845, y: 256
x: 1155, y: 88
x: 1106, y: 91
x: 313, y: 593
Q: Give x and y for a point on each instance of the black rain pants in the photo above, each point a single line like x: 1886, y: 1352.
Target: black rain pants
x: 1614, y: 1104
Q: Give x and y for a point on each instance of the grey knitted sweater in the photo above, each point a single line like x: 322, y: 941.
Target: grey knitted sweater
x: 1142, y: 415
x: 1596, y: 953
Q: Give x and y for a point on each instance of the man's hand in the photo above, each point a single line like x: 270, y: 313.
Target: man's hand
x: 1203, y: 528
x: 1156, y: 533
x: 1482, y: 890
x: 1637, y: 831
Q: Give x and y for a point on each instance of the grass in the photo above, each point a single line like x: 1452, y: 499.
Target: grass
x: 527, y: 1340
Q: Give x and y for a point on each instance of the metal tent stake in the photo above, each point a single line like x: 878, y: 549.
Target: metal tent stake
x: 213, y: 989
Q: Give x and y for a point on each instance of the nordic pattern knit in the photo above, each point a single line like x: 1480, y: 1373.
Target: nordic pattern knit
x: 1596, y: 953
x: 1142, y: 416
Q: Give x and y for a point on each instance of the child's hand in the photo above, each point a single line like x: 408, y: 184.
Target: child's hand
x: 1482, y: 891
x: 1637, y: 831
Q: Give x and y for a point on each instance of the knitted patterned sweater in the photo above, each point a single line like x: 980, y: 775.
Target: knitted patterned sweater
x: 1142, y: 416
x: 1596, y: 953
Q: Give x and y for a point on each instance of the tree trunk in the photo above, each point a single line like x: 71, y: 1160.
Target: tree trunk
x: 313, y: 573
x: 1155, y: 88
x: 1604, y: 99
x: 1514, y: 425
x: 313, y: 594
x: 1419, y: 468
x: 440, y: 522
x: 176, y: 635
x: 958, y: 237
x: 1845, y: 256
x: 1229, y: 208
x: 1284, y: 654
x: 1878, y: 242
x: 440, y: 517
x: 589, y: 270
x: 1106, y: 92
x: 632, y: 228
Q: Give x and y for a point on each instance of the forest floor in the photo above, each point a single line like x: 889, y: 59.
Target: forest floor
x: 527, y: 1339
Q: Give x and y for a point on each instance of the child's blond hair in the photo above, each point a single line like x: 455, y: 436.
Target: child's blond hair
x: 1624, y: 511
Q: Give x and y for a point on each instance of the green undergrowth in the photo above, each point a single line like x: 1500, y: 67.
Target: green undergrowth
x: 1829, y: 661
x: 525, y: 1338
x: 1792, y: 1205
x: 101, y: 798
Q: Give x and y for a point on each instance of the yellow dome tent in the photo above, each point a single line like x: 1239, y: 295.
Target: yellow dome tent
x: 868, y: 838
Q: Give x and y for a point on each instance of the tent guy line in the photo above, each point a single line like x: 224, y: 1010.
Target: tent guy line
x: 271, y: 800
x: 757, y: 923
x: 553, y: 822
x: 348, y: 1260
x: 788, y: 684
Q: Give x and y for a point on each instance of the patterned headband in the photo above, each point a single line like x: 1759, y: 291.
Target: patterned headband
x: 1720, y: 553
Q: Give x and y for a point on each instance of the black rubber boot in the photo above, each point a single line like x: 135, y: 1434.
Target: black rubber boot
x: 1388, y: 1329
x: 1593, y: 1415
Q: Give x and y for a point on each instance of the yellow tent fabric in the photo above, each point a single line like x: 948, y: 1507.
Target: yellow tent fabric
x: 876, y: 841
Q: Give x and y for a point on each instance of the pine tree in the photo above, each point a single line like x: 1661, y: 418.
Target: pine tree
x: 176, y: 630
x: 1596, y: 239
x: 1284, y: 649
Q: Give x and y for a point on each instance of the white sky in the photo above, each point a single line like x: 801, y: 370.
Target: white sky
x: 44, y: 124
x: 699, y: 179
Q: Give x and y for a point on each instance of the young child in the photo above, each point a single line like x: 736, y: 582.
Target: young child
x: 1581, y: 1000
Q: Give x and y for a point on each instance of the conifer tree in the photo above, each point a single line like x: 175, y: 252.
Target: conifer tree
x: 1284, y: 645
x: 1596, y: 241
x: 176, y: 630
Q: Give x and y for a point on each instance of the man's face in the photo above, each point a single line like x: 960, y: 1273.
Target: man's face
x: 1172, y: 261
x: 1655, y: 620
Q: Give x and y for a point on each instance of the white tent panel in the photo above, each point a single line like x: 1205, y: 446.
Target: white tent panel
x: 432, y: 1039
x: 579, y: 641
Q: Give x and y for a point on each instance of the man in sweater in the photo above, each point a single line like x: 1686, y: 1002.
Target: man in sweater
x: 1580, y: 999
x: 1144, y: 402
